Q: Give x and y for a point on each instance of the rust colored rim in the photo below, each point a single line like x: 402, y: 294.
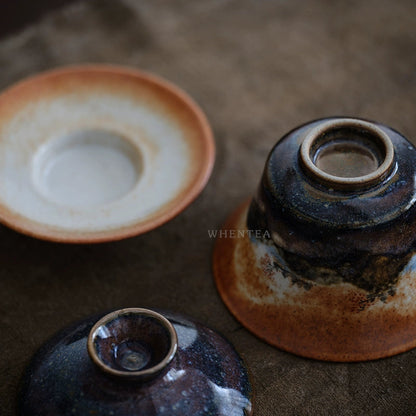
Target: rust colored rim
x: 206, y: 143
x: 315, y: 335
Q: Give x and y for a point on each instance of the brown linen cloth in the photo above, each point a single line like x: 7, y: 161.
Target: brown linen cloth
x: 258, y: 68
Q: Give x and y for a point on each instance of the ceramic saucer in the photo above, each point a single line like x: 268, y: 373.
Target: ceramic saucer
x: 97, y: 153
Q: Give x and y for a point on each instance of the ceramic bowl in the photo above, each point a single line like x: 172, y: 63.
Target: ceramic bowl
x: 97, y: 153
x: 136, y: 362
x: 322, y: 260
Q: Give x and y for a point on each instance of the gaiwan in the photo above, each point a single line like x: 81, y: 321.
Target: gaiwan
x: 333, y: 275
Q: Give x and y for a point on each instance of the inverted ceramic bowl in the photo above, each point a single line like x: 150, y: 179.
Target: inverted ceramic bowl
x: 322, y: 262
x: 136, y: 362
x: 98, y: 153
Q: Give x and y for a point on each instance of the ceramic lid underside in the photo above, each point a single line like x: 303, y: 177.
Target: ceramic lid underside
x: 206, y: 377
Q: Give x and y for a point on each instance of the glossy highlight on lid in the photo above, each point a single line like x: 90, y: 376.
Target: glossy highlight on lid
x: 204, y: 377
x: 132, y: 343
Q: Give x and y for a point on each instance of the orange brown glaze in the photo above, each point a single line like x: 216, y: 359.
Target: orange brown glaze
x: 129, y: 84
x: 332, y: 322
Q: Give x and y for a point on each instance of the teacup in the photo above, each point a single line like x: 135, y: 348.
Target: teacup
x: 330, y: 271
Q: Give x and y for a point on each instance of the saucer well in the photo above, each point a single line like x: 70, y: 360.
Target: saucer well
x: 97, y: 153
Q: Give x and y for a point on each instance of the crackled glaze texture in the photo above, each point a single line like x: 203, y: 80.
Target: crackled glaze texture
x: 336, y: 279
x: 205, y: 377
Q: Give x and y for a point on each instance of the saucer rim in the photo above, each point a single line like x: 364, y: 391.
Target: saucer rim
x: 42, y: 231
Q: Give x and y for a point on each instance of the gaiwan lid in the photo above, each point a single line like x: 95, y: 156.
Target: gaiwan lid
x: 136, y: 362
x: 322, y: 261
x: 97, y: 153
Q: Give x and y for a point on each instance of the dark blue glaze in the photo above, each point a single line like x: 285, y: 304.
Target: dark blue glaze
x: 292, y: 190
x: 364, y: 236
x: 205, y: 377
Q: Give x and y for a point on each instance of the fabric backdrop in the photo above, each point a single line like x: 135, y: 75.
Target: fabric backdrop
x: 258, y: 68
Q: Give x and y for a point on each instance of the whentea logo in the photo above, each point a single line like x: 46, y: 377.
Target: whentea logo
x: 224, y: 233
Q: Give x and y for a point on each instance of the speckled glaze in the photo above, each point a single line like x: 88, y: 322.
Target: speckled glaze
x: 330, y: 273
x: 199, y: 372
x: 98, y: 153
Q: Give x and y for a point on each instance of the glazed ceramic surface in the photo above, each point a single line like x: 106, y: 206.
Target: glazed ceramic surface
x: 325, y: 267
x: 134, y: 344
x: 97, y: 153
x: 197, y: 371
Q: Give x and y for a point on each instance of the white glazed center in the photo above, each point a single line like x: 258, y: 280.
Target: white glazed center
x: 96, y: 162
x: 87, y: 168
